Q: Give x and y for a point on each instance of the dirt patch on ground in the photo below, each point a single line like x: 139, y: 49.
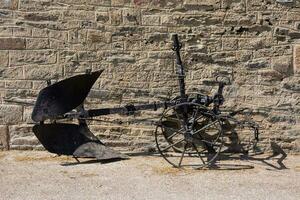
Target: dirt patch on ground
x: 27, y: 158
x: 168, y: 170
x: 40, y: 175
x: 2, y: 154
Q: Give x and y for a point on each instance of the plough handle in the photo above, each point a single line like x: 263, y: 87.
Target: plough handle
x: 180, y: 67
x: 176, y: 44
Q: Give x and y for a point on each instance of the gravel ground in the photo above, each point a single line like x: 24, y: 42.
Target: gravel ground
x: 40, y: 175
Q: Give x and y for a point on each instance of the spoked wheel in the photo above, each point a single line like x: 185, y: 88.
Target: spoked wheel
x: 189, y: 135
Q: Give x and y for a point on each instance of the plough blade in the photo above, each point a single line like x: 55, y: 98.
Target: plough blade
x: 72, y: 139
x: 98, y: 151
x: 63, y: 96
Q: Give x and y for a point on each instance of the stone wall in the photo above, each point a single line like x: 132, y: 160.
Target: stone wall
x: 252, y: 41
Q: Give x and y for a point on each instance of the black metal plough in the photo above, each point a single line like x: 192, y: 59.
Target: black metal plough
x: 191, y: 132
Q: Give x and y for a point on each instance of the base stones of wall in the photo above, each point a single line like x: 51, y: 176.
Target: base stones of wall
x: 4, y: 137
x: 10, y: 114
x: 22, y: 137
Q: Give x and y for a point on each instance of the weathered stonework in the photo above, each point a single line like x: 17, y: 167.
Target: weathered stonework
x: 256, y: 43
x: 4, y: 140
x: 10, y: 114
x: 297, y: 59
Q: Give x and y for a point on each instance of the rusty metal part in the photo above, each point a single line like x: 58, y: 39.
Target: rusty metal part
x: 63, y: 96
x: 73, y: 139
x: 192, y: 145
x: 192, y: 127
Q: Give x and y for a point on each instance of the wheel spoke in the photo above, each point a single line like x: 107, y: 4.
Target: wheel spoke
x: 168, y: 147
x: 209, y: 142
x: 201, y: 116
x: 198, y: 153
x: 172, y: 129
x: 181, y: 121
x: 182, y: 155
x: 171, y: 136
x: 205, y: 127
x: 187, y: 133
x: 194, y: 116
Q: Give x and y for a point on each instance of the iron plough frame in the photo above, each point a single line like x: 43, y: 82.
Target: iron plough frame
x: 191, y: 132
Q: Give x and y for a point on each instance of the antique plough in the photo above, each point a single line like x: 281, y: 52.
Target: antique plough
x: 191, y: 131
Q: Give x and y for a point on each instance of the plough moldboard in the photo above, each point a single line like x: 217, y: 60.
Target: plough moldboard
x: 192, y: 130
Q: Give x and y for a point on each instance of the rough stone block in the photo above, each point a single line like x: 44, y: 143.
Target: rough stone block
x: 116, y: 17
x: 6, y: 31
x: 244, y: 56
x: 281, y: 31
x: 77, y: 36
x: 167, y: 20
x: 255, y: 43
x: 292, y: 84
x: 201, y: 5
x: 102, y: 17
x: 4, y: 137
x: 22, y: 31
x: 293, y: 16
x: 131, y: 17
x: 22, y: 137
x: 37, y: 43
x: 58, y: 35
x: 41, y: 57
x: 12, y: 43
x: 18, y: 84
x: 294, y: 35
x: 3, y: 59
x: 38, y: 5
x: 257, y: 64
x: 282, y: 64
x: 99, y: 2
x: 41, y: 16
x: 40, y: 32
x: 151, y: 20
x: 6, y: 14
x: 22, y: 94
x: 263, y: 53
x: 236, y: 5
x: 297, y: 59
x: 27, y: 115
x: 43, y: 72
x: 236, y: 19
x: 12, y: 73
x: 117, y: 2
x: 10, y: 114
x: 88, y: 56
x: 230, y: 44
x: 38, y: 85
x: 78, y: 15
x: 98, y: 37
x: 9, y: 4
